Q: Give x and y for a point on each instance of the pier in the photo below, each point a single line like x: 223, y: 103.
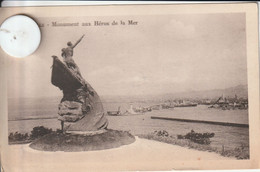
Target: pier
x: 35, y: 118
x: 202, y: 121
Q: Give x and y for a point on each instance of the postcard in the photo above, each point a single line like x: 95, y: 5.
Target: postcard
x: 133, y: 87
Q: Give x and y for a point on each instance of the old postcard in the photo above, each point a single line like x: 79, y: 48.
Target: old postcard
x: 133, y: 87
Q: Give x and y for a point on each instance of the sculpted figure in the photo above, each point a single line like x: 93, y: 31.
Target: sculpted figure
x: 67, y: 54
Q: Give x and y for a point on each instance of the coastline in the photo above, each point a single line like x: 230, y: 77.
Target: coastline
x: 235, y: 140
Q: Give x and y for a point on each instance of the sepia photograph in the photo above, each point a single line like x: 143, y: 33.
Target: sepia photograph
x: 134, y: 90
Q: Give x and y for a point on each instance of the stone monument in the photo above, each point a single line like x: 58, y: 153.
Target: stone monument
x: 83, y: 120
x: 80, y: 110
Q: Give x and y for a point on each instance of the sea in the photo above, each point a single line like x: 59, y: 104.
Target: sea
x: 26, y: 113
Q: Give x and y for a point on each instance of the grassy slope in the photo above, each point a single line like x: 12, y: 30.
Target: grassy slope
x: 239, y: 152
x: 73, y: 143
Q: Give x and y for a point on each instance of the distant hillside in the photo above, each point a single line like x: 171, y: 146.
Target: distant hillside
x: 240, y: 91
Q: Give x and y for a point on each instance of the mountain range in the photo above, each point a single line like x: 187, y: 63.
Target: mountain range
x: 240, y: 91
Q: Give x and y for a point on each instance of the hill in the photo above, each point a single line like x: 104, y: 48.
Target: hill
x: 240, y: 91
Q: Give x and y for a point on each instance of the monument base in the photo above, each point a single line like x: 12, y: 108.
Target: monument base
x: 87, y: 133
x: 73, y: 142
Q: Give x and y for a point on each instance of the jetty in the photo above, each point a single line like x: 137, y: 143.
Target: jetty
x: 33, y: 118
x: 202, y: 121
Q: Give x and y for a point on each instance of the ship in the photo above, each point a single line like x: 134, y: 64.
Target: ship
x: 230, y: 103
x: 63, y: 77
x: 115, y: 113
x: 182, y: 103
x: 69, y: 81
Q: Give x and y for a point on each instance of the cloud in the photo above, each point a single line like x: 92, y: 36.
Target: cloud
x: 179, y: 30
x: 107, y: 70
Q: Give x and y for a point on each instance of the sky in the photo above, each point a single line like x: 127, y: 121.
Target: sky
x: 161, y: 54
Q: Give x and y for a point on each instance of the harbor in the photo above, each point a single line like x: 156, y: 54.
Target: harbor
x: 143, y: 124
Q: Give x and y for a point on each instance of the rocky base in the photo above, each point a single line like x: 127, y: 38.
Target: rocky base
x: 77, y: 142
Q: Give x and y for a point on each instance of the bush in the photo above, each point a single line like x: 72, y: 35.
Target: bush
x: 161, y: 133
x: 39, y: 132
x: 18, y: 137
x: 193, y: 141
x: 240, y: 152
x: 200, y: 138
x: 25, y: 138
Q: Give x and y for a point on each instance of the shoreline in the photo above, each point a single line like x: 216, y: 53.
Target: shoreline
x: 227, y: 136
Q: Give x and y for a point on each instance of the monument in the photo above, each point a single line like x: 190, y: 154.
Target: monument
x: 83, y: 120
x: 80, y: 110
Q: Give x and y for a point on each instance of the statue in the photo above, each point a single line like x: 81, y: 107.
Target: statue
x: 80, y: 108
x: 67, y: 54
x: 83, y: 120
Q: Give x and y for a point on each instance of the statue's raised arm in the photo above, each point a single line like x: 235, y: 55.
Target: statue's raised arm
x: 78, y: 41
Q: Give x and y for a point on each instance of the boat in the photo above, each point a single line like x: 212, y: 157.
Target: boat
x: 230, y: 103
x: 69, y: 82
x: 114, y: 113
x: 186, y: 105
x: 156, y: 107
x: 168, y: 106
x: 63, y: 77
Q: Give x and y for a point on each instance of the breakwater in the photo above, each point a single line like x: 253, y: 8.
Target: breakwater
x: 202, y: 121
